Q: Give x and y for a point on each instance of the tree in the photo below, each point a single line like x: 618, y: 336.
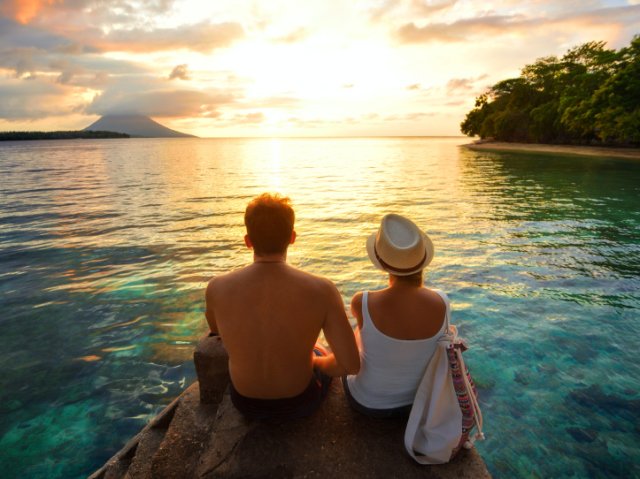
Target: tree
x: 591, y: 93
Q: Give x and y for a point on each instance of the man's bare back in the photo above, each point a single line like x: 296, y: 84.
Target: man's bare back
x: 269, y: 316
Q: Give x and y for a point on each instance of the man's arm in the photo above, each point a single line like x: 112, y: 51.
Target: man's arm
x: 208, y: 310
x: 337, y: 330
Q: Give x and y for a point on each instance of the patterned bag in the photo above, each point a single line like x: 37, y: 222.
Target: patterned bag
x: 445, y: 408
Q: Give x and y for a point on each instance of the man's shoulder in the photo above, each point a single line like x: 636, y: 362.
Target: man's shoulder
x: 222, y: 279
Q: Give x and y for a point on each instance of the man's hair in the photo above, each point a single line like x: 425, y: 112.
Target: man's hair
x: 269, y: 220
x: 415, y: 279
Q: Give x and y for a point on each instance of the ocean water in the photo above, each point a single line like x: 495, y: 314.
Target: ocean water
x: 106, y: 247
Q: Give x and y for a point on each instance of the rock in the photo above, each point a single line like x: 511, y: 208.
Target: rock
x: 128, y: 458
x: 334, y: 441
x: 202, y: 435
x: 212, y: 368
x: 582, y: 435
x: 186, y: 439
x: 230, y: 428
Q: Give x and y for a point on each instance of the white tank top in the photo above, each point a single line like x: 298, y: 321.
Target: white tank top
x: 390, y: 369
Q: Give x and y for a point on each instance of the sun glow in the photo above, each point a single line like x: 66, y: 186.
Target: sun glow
x: 268, y: 68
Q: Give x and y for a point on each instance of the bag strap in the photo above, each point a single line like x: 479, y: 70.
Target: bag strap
x: 463, y: 370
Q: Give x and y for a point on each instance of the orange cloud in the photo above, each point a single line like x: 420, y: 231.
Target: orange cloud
x: 491, y: 25
x: 25, y: 10
x: 294, y: 36
x: 200, y: 37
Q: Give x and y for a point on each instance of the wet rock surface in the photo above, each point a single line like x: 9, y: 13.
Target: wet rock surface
x: 208, y: 442
x: 191, y: 439
x: 335, y: 441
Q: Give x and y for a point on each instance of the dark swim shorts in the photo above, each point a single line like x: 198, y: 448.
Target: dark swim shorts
x: 286, y: 408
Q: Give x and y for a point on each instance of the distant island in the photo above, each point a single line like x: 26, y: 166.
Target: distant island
x: 58, y: 135
x: 591, y: 96
x: 136, y: 126
x: 109, y: 126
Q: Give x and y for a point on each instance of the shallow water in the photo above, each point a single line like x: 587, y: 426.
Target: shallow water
x: 106, y: 247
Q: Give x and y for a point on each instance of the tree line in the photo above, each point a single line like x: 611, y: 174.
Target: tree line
x: 58, y: 135
x: 589, y: 96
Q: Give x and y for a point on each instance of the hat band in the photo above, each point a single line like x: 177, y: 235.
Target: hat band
x: 399, y: 270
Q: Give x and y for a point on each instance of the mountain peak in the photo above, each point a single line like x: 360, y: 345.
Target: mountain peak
x: 135, y: 125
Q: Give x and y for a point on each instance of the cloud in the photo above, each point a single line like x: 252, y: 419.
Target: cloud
x: 72, y: 48
x: 201, y: 37
x: 462, y: 84
x: 34, y: 11
x: 181, y: 72
x: 28, y: 50
x: 159, y: 103
x: 19, y: 60
x: 273, y: 101
x: 426, y: 8
x: 411, y: 9
x: 68, y: 73
x: 376, y: 14
x: 415, y: 86
x: 408, y: 117
x: 482, y: 26
x: 459, y: 84
x: 32, y: 100
x: 460, y: 30
x: 297, y: 122
x: 348, y: 85
x: 15, y: 35
x: 101, y: 78
x: 234, y: 79
x: 249, y: 119
x: 295, y: 36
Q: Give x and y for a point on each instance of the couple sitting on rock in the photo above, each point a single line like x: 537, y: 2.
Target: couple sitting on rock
x: 269, y: 316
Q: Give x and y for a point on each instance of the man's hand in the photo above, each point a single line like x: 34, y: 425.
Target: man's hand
x: 329, y: 366
x: 337, y: 330
x: 208, y: 311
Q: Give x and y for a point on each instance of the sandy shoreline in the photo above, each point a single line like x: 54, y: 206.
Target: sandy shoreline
x: 628, y: 153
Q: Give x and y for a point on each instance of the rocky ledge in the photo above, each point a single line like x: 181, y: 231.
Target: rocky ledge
x: 201, y: 435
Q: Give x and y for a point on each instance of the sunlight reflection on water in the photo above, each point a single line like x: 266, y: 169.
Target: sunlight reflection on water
x: 107, y: 247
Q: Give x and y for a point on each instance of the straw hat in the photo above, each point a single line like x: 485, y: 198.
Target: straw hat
x: 399, y: 247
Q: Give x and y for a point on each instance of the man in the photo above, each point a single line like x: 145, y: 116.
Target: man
x: 269, y: 315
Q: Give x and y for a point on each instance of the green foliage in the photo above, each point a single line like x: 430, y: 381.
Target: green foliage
x: 58, y: 135
x: 591, y: 94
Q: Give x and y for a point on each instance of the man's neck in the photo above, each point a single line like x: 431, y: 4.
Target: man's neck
x: 270, y: 258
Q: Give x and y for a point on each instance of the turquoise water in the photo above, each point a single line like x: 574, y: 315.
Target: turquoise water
x: 106, y: 247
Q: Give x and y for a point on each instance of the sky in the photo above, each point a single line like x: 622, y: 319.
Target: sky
x: 281, y: 68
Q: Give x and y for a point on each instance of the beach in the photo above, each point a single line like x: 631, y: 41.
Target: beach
x: 628, y: 153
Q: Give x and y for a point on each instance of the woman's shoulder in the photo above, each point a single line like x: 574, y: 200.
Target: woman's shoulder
x: 436, y: 299
x: 435, y: 292
x: 357, y: 298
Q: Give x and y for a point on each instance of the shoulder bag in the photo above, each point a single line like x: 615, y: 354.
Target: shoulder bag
x: 445, y: 408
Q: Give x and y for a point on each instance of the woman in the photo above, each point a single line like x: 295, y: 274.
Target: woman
x: 399, y: 326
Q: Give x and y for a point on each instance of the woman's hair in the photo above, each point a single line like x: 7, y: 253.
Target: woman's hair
x: 415, y: 279
x: 269, y: 220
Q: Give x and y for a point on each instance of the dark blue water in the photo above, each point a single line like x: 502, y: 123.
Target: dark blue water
x: 106, y: 247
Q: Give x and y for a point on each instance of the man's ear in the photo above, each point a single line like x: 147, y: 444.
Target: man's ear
x: 247, y: 241
x: 293, y: 237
